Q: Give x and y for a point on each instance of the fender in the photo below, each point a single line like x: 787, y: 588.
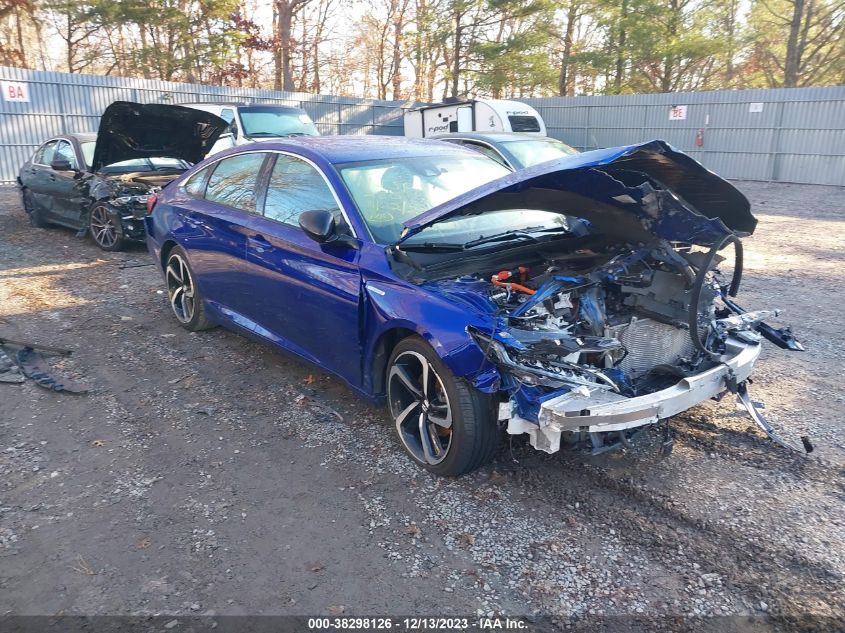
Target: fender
x: 388, y: 306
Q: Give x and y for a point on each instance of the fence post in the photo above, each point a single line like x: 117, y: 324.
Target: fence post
x: 774, y: 174
x: 62, y: 113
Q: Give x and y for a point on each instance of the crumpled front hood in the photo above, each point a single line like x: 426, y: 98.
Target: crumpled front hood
x: 634, y: 192
x: 133, y: 130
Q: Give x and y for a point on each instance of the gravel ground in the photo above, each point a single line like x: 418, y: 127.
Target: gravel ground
x: 207, y: 474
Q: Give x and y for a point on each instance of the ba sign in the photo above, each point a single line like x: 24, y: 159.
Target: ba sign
x: 14, y: 91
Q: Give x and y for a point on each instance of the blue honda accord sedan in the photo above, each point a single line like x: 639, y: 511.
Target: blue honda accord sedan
x: 585, y: 297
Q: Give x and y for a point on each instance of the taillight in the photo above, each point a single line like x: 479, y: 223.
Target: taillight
x: 151, y: 202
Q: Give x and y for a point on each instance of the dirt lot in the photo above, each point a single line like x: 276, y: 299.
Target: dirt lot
x: 206, y: 474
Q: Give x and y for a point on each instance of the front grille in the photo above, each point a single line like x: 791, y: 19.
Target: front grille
x: 650, y: 343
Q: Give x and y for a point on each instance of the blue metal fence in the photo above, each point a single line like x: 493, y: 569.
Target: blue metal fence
x: 63, y: 103
x: 789, y: 135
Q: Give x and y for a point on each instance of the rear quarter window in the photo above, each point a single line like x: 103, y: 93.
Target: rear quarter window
x: 195, y: 185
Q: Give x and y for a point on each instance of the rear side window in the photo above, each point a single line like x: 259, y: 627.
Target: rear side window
x: 46, y: 153
x: 233, y: 181
x: 295, y: 186
x: 524, y: 123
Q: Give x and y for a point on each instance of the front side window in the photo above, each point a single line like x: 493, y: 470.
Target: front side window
x: 45, y: 154
x: 233, y: 181
x: 390, y: 191
x: 296, y: 186
x: 88, y: 152
x: 64, y: 151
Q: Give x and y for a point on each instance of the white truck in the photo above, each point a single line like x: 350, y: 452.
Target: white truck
x: 474, y: 115
x: 256, y: 122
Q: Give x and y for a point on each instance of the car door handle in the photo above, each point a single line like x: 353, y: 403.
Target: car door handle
x: 259, y: 243
x: 52, y: 177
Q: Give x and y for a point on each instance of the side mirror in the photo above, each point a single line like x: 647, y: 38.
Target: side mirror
x: 234, y: 129
x: 319, y: 225
x: 61, y: 164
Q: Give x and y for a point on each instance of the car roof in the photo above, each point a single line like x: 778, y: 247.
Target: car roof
x: 352, y: 148
x: 218, y: 103
x: 79, y: 137
x: 493, y: 136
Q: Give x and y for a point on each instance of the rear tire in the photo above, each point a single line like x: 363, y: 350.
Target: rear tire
x: 36, y: 218
x: 105, y: 229
x: 445, y: 425
x: 183, y: 293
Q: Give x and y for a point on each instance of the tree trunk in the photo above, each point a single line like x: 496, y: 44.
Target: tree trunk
x: 456, y: 55
x: 285, y: 35
x: 619, y: 77
x: 398, y: 23
x: 565, y: 76
x: 283, y: 75
x: 793, y: 57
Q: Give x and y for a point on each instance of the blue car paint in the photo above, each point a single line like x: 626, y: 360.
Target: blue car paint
x: 714, y: 209
x: 332, y: 304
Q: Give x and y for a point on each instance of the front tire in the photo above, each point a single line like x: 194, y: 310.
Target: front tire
x: 444, y: 424
x: 183, y: 293
x: 105, y: 229
x: 36, y: 219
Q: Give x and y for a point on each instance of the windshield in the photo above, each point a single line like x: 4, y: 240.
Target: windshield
x: 146, y: 164
x: 469, y: 231
x: 261, y: 121
x: 388, y: 192
x: 535, y: 151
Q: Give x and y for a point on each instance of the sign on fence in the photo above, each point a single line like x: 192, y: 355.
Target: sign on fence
x: 14, y: 91
x: 678, y: 113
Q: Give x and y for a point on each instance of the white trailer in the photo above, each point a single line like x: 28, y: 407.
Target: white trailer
x: 475, y: 115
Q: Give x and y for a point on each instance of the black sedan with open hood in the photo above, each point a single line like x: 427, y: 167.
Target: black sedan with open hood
x: 100, y: 183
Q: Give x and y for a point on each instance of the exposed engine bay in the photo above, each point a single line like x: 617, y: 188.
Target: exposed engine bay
x: 618, y: 323
x: 127, y: 194
x: 131, y: 189
x: 614, y: 312
x: 617, y: 320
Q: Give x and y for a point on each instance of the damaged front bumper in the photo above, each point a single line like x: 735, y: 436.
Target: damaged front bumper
x: 597, y: 410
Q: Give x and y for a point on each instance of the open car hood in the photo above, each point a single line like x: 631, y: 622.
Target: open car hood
x: 634, y: 192
x: 134, y: 130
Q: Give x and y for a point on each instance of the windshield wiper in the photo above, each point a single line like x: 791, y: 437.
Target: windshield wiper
x: 502, y: 237
x: 432, y: 246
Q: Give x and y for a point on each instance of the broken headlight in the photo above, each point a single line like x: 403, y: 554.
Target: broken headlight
x: 122, y: 201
